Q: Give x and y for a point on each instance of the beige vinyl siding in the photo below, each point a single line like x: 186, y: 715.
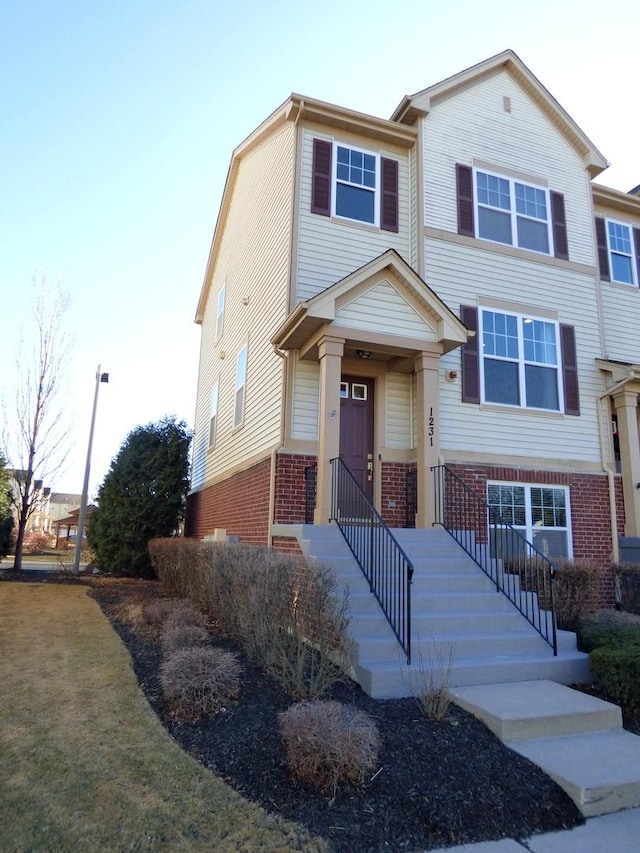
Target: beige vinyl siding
x: 383, y: 309
x: 399, y: 415
x: 473, y: 125
x: 328, y: 248
x: 305, y: 404
x: 461, y: 274
x: 254, y: 260
x: 621, y: 307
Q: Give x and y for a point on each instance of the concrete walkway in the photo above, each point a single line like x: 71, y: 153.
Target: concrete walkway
x: 612, y: 833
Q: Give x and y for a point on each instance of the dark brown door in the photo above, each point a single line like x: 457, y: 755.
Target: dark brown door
x: 356, y: 429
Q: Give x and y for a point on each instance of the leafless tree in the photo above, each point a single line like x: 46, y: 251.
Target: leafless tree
x: 35, y: 438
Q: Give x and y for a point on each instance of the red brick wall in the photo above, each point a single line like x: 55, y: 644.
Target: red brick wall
x: 394, y: 488
x: 291, y: 488
x: 239, y: 504
x: 590, y: 516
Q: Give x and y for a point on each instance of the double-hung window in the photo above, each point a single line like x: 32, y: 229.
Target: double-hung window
x: 213, y: 416
x: 220, y: 311
x: 622, y: 258
x: 354, y: 184
x: 241, y: 381
x: 512, y: 212
x: 520, y: 361
x: 540, y: 513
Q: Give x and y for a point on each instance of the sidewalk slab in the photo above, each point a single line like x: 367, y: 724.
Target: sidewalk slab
x: 614, y: 833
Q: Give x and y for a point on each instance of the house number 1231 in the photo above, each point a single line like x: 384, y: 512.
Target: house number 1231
x: 432, y: 428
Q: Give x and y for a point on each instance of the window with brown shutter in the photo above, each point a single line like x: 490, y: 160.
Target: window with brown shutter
x: 470, y: 360
x: 559, y: 226
x: 464, y: 186
x: 321, y: 177
x: 569, y: 370
x: 389, y: 196
x: 603, y: 252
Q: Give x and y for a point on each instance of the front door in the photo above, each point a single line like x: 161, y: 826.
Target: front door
x: 356, y: 429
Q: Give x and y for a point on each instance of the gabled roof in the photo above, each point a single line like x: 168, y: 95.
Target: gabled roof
x: 308, y: 317
x: 413, y: 107
x: 628, y: 203
x: 298, y: 108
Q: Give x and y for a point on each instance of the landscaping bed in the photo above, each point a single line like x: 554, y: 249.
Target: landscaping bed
x: 435, y: 784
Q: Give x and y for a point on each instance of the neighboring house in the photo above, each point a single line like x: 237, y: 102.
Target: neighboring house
x: 40, y: 518
x: 447, y: 286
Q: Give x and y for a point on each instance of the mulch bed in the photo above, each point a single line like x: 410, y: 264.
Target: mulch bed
x: 437, y: 783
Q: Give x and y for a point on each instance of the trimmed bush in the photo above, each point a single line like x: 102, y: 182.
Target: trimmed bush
x: 199, y: 680
x: 618, y: 671
x: 288, y: 614
x: 609, y: 628
x: 627, y: 580
x: 182, y: 636
x: 576, y: 591
x: 184, y: 613
x: 329, y: 744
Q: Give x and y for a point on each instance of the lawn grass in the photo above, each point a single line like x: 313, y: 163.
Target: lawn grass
x: 85, y: 765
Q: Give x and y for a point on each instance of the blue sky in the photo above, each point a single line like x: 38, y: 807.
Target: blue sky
x: 117, y: 124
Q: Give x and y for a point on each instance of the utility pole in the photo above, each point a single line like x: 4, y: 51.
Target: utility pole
x: 100, y: 377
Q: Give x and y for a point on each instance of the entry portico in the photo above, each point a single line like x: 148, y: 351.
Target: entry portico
x: 380, y: 320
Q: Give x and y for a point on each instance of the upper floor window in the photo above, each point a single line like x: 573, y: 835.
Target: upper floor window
x: 510, y: 211
x: 520, y: 361
x: 241, y: 381
x: 621, y: 254
x: 352, y: 183
x: 220, y: 311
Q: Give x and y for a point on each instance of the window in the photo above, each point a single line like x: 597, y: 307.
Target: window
x: 220, y: 311
x: 621, y: 255
x: 520, y: 361
x: 241, y: 380
x: 213, y: 415
x: 540, y: 513
x: 510, y: 211
x: 355, y: 184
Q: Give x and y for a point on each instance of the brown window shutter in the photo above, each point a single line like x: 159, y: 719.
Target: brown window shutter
x: 636, y: 240
x: 389, y: 195
x: 603, y: 251
x: 321, y: 177
x: 464, y: 187
x: 470, y: 358
x: 569, y: 370
x: 559, y: 224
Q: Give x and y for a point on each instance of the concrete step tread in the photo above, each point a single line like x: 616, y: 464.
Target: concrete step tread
x: 545, y: 655
x: 536, y: 709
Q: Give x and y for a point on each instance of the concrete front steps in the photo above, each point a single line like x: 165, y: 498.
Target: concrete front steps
x: 576, y: 739
x: 459, y: 622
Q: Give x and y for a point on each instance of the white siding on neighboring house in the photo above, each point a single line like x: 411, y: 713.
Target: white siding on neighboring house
x: 399, y: 415
x: 473, y: 125
x: 329, y: 248
x: 254, y: 259
x: 305, y: 404
x: 460, y: 275
x: 383, y: 309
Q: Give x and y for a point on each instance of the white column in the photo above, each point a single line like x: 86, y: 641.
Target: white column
x: 428, y: 437
x: 626, y: 403
x: 331, y: 351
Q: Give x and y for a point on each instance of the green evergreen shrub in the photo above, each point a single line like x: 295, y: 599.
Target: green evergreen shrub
x: 329, y: 744
x: 199, y: 680
x: 618, y: 671
x: 608, y: 628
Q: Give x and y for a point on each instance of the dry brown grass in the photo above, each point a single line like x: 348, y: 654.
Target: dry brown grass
x: 84, y: 763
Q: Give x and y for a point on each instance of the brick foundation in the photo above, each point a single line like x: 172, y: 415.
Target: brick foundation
x: 394, y: 490
x: 239, y: 504
x: 590, y: 517
x: 290, y: 500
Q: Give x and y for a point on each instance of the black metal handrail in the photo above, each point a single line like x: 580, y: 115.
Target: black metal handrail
x: 310, y: 483
x: 383, y: 562
x: 519, y: 570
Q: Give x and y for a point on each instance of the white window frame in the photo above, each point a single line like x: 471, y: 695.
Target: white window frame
x: 220, y: 303
x: 632, y: 255
x: 239, y: 398
x: 375, y: 191
x: 213, y: 413
x: 529, y: 529
x: 513, y: 213
x: 522, y: 362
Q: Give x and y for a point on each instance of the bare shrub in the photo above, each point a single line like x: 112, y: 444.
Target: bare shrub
x: 131, y: 613
x: 182, y: 636
x: 576, y: 591
x: 430, y: 684
x: 183, y: 612
x: 627, y: 580
x: 199, y: 680
x: 155, y: 612
x: 178, y: 562
x: 329, y: 744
